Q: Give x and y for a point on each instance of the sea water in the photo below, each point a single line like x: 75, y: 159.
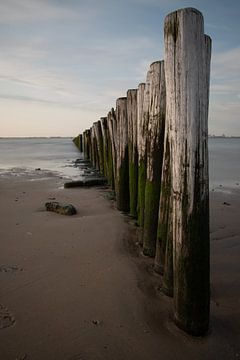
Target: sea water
x: 224, y: 163
x: 48, y: 154
x: 60, y: 154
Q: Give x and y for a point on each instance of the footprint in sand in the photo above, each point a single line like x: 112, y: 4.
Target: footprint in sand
x: 9, y: 269
x: 6, y: 318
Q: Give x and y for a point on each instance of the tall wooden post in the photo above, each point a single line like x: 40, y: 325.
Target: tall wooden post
x: 88, y: 144
x: 143, y: 118
x: 80, y: 143
x: 187, y: 68
x: 163, y: 263
x: 155, y: 145
x: 103, y: 122
x: 112, y: 128
x: 122, y: 174
x: 132, y: 150
x: 164, y: 208
x: 99, y: 138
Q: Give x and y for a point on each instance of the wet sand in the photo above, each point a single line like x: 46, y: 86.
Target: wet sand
x: 76, y: 287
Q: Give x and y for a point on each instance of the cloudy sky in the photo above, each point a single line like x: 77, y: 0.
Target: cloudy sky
x: 63, y: 63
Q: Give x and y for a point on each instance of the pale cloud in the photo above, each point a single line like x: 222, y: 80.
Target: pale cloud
x: 13, y: 11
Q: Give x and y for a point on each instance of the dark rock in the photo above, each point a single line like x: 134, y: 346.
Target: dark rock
x: 60, y: 209
x: 37, y: 169
x: 86, y: 182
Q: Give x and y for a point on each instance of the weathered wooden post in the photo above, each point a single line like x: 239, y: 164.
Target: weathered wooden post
x: 164, y: 208
x: 112, y: 128
x: 80, y: 143
x: 155, y: 146
x: 104, y: 130
x: 92, y: 147
x: 99, y: 138
x: 88, y: 144
x: 122, y: 174
x: 132, y: 150
x: 143, y: 117
x: 163, y: 263
x: 187, y: 69
x: 84, y: 143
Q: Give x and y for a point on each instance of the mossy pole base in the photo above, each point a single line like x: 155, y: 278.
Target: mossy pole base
x: 155, y: 146
x: 132, y: 150
x: 187, y: 69
x: 122, y: 169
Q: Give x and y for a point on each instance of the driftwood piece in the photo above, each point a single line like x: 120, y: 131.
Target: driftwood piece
x: 132, y: 150
x: 187, y: 68
x: 155, y: 146
x: 122, y: 174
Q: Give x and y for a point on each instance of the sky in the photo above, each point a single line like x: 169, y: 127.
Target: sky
x: 63, y: 63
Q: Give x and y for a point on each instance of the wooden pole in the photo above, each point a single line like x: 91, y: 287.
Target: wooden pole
x: 104, y: 130
x: 164, y: 208
x: 155, y: 145
x: 84, y: 143
x: 163, y: 263
x: 112, y: 128
x: 80, y: 143
x: 99, y: 138
x: 122, y: 174
x: 132, y: 150
x: 187, y: 68
x: 143, y: 118
x: 95, y: 146
x: 92, y: 147
x: 88, y: 144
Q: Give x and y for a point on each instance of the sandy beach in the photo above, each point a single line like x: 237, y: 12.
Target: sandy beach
x: 77, y: 287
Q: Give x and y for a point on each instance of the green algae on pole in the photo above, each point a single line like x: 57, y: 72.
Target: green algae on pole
x: 132, y: 150
x: 187, y: 69
x: 122, y: 173
x: 155, y: 146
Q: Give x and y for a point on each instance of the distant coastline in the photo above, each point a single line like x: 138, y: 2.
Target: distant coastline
x: 35, y: 137
x: 223, y: 137
x: 70, y: 137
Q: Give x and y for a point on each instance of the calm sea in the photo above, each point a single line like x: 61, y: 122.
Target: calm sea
x: 59, y: 154
x: 54, y: 154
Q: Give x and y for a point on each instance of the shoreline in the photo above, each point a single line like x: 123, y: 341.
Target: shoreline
x: 77, y: 287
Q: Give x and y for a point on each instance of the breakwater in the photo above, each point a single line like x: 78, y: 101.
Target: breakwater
x: 153, y: 150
